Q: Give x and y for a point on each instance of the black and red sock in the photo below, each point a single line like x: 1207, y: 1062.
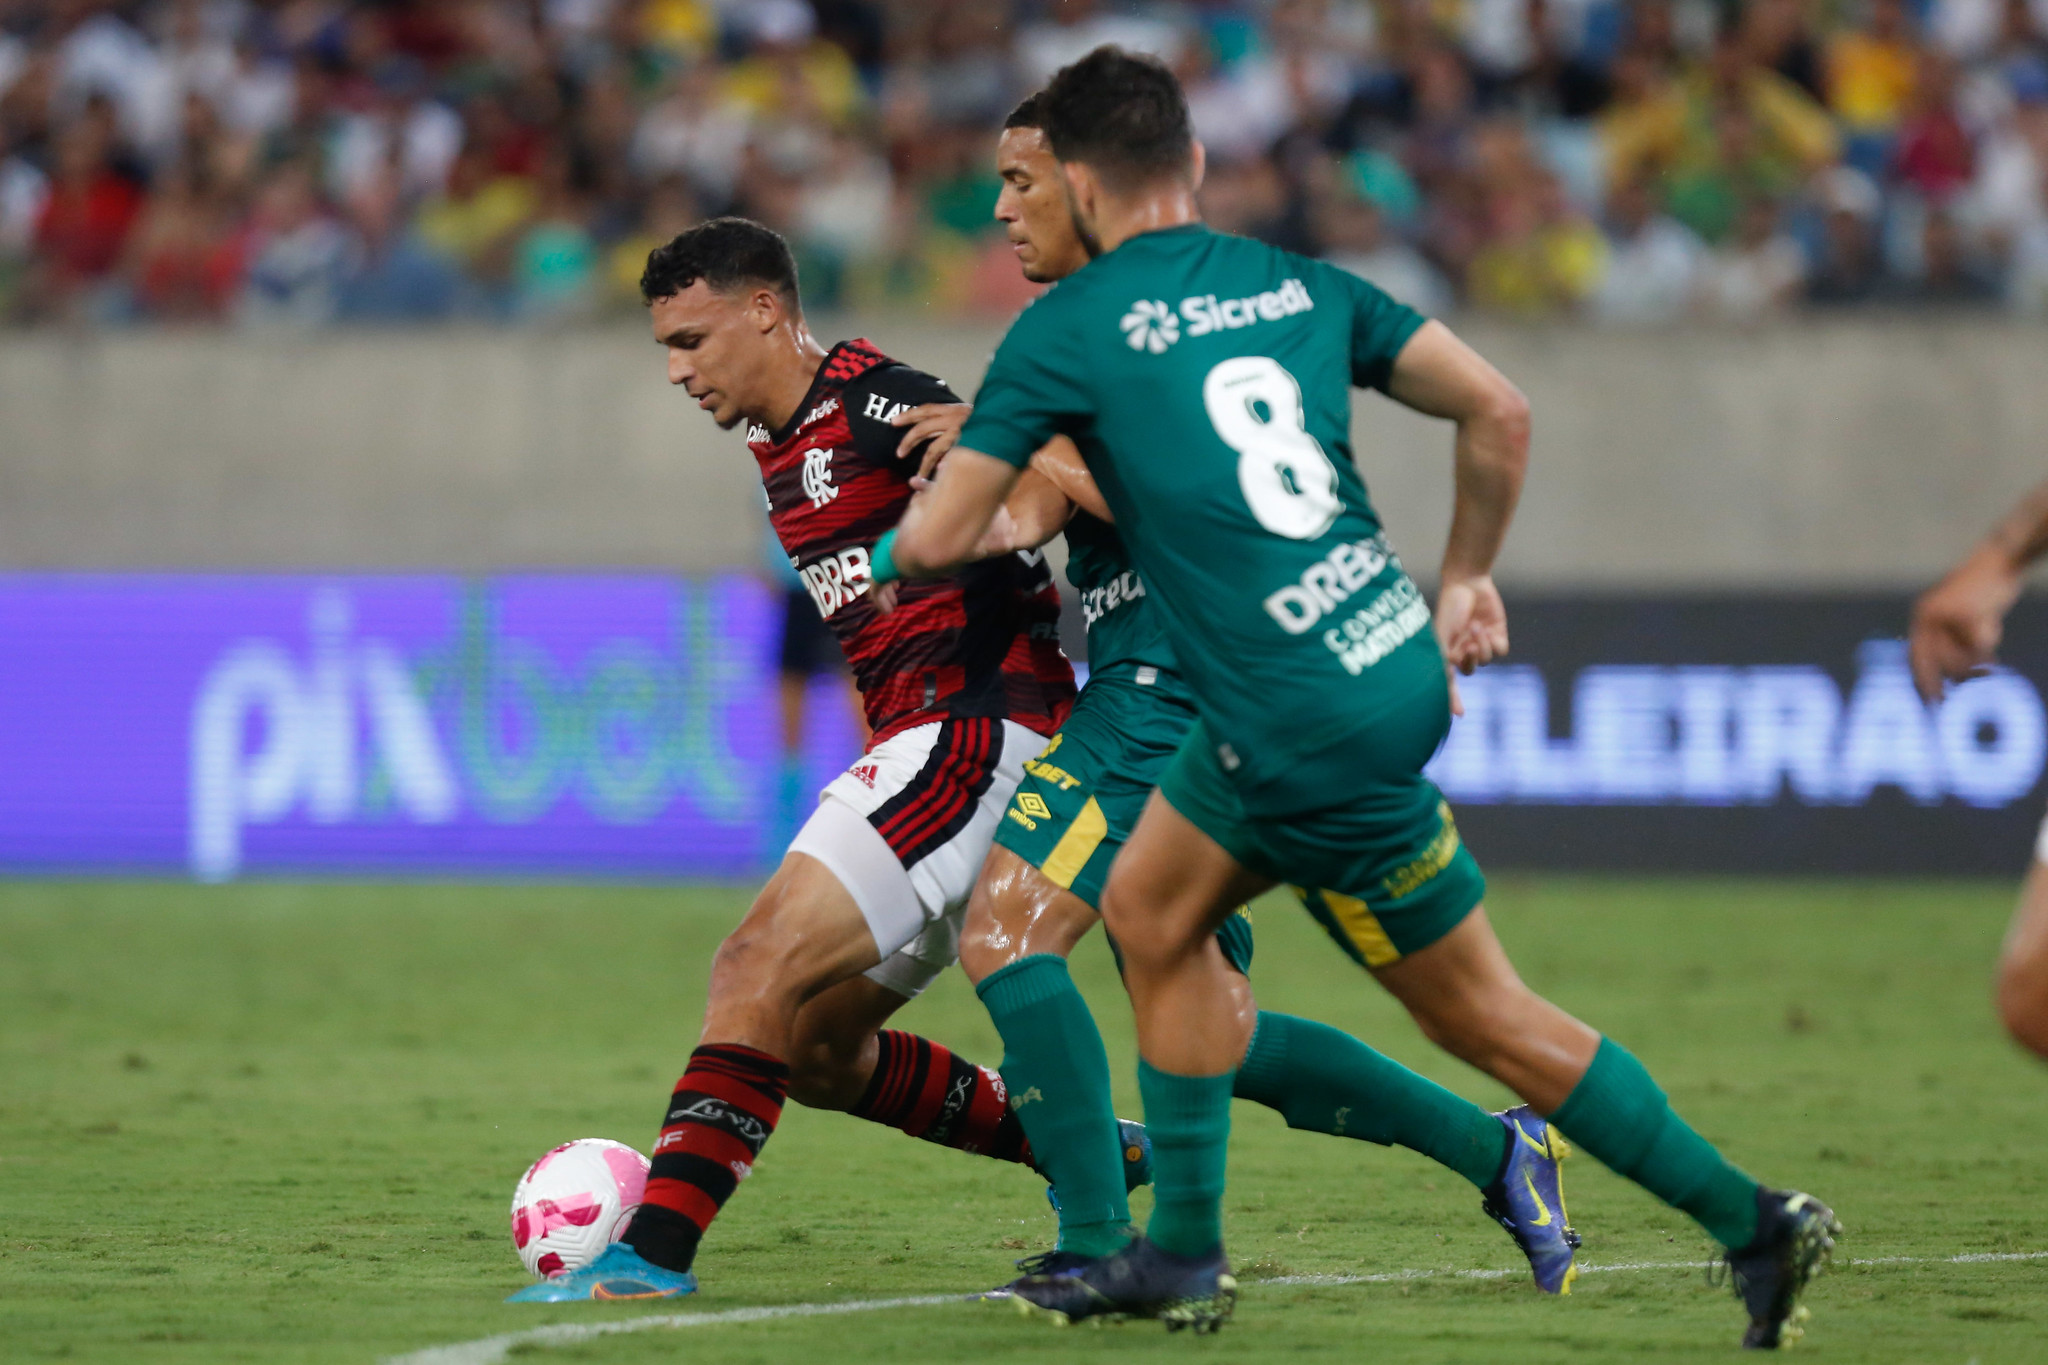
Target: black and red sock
x: 723, y: 1110
x: 930, y: 1093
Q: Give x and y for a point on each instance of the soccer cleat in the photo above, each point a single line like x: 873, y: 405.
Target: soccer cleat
x: 1527, y: 1199
x: 617, y: 1273
x: 1795, y: 1234
x: 1141, y: 1281
x: 1046, y: 1264
x: 1136, y: 1145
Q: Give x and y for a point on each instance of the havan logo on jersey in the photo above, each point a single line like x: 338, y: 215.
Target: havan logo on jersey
x: 837, y: 579
x: 1152, y: 326
x: 1097, y: 603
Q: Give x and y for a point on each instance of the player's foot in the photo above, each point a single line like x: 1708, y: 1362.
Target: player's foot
x: 1136, y: 1145
x: 1141, y: 1281
x: 617, y: 1273
x: 1527, y: 1199
x: 1795, y: 1234
x: 1045, y: 1265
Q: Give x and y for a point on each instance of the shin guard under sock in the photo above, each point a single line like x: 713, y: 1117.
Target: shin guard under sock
x: 1058, y: 1076
x: 1189, y: 1119
x: 931, y: 1093
x: 1617, y: 1113
x: 722, y: 1112
x: 1324, y: 1080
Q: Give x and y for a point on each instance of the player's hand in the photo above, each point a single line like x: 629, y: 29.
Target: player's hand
x: 883, y: 598
x: 1958, y: 623
x: 936, y: 426
x: 1472, y: 627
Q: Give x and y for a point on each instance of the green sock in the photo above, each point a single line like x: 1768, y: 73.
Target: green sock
x: 1058, y: 1078
x: 1326, y: 1081
x: 1189, y: 1119
x: 1617, y: 1113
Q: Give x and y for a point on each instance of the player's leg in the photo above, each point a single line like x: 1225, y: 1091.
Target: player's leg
x: 1021, y: 926
x: 803, y: 934
x: 1466, y: 996
x: 841, y: 1057
x: 2023, y: 967
x: 1169, y: 891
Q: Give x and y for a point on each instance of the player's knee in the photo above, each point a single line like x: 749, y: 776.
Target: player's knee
x: 985, y: 948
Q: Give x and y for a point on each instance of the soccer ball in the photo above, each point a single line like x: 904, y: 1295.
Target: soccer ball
x: 574, y: 1202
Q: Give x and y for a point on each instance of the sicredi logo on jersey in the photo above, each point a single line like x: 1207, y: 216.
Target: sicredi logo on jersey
x: 1152, y: 326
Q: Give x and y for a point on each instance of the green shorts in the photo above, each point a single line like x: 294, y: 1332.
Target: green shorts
x: 1385, y: 873
x: 1082, y: 796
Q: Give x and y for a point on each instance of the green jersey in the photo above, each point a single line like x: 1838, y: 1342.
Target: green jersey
x: 1206, y: 380
x: 1125, y: 632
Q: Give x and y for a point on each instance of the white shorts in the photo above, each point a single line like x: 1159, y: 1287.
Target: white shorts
x: 905, y: 830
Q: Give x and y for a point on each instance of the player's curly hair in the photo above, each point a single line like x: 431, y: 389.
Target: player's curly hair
x: 725, y: 253
x: 1122, y: 114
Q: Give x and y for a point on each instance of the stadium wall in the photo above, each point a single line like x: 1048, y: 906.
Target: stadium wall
x: 1809, y: 455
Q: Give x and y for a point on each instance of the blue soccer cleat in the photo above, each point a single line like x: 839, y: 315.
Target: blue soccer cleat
x: 618, y: 1273
x: 1136, y: 1145
x: 1795, y: 1236
x: 1045, y: 1265
x: 1527, y: 1199
x: 1141, y: 1281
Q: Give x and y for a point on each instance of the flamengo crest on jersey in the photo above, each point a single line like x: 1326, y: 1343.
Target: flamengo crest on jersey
x: 1152, y: 326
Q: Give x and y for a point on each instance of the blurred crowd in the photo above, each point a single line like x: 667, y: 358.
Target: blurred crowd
x: 1633, y: 161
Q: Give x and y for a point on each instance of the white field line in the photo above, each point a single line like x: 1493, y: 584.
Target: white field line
x: 493, y: 1350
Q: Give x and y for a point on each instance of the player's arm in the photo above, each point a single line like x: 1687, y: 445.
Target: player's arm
x: 1437, y: 374
x: 944, y: 524
x: 1958, y: 623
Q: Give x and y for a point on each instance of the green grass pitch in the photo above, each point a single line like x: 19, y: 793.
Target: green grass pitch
x: 282, y: 1123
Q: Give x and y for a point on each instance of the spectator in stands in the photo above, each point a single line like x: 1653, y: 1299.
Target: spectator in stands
x: 298, y: 255
x: 1872, y: 69
x: 1481, y: 134
x: 184, y: 261
x: 1073, y: 28
x: 1758, y: 272
x: 1653, y: 261
x: 1353, y: 235
x: 94, y: 199
x: 1849, y: 269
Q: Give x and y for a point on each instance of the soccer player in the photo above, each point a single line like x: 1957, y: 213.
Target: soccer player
x: 1039, y: 889
x: 1205, y: 380
x: 962, y: 682
x: 1957, y: 626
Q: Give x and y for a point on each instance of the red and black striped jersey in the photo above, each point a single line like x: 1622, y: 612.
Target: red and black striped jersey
x: 983, y: 642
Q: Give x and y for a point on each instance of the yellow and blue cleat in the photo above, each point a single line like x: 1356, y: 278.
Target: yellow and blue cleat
x: 618, y: 1273
x: 1527, y: 1198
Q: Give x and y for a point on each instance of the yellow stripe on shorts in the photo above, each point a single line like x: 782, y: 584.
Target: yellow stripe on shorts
x: 1076, y: 846
x: 1362, y: 926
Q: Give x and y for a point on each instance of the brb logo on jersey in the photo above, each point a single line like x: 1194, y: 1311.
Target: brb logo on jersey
x: 1150, y: 326
x: 818, y: 485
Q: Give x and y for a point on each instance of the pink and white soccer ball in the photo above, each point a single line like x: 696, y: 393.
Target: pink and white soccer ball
x: 574, y: 1202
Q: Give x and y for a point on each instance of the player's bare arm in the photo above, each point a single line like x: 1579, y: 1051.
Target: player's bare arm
x: 1958, y: 623
x: 1440, y: 375
x: 943, y: 525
